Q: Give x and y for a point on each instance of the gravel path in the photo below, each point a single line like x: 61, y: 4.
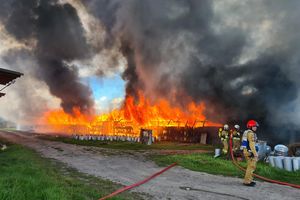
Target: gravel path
x: 130, y: 167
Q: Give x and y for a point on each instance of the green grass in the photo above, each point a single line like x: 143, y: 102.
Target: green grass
x: 24, y: 174
x: 130, y: 145
x: 202, y: 162
x: 220, y: 166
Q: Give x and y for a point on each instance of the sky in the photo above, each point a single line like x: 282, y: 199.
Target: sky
x: 108, y: 92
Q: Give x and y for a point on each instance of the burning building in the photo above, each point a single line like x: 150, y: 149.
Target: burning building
x: 167, y: 123
x: 184, y: 63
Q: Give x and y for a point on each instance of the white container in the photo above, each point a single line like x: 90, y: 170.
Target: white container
x: 262, y: 146
x: 296, y: 163
x: 271, y: 161
x: 268, y: 150
x: 281, y: 150
x: 287, y: 163
x: 217, y: 152
x: 279, y: 161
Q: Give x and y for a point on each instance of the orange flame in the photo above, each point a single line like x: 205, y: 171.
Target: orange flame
x: 128, y: 120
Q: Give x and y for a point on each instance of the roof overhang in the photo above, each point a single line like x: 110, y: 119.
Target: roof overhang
x: 6, y: 76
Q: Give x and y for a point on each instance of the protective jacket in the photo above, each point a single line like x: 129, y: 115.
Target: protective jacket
x: 236, y: 135
x: 248, y: 142
x: 223, y: 134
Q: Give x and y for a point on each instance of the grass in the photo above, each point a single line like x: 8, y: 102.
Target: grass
x: 24, y: 174
x: 202, y: 162
x: 130, y: 145
x: 220, y: 166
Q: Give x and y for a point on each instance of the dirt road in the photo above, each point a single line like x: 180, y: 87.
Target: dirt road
x: 130, y: 167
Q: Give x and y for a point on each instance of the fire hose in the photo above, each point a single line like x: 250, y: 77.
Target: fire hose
x: 172, y: 165
x: 255, y: 175
x: 138, y: 183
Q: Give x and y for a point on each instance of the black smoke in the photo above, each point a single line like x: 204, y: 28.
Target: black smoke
x: 59, y: 39
x: 241, y: 59
x: 196, y: 48
x: 130, y: 75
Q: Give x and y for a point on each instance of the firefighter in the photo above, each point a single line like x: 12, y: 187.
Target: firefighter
x: 236, y: 138
x: 249, y: 150
x: 224, y: 136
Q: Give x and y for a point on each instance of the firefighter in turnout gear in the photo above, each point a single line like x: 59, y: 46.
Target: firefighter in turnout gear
x: 250, y: 152
x: 236, y: 138
x: 224, y: 136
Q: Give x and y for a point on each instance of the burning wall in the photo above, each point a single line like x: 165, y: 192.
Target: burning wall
x: 128, y: 120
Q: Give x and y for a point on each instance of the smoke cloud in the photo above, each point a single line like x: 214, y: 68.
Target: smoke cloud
x: 59, y: 38
x: 240, y: 58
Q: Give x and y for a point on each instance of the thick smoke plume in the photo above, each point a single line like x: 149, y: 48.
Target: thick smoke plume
x: 240, y: 58
x: 59, y: 39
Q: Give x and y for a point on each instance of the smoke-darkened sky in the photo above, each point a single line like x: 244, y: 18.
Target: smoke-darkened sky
x: 239, y: 57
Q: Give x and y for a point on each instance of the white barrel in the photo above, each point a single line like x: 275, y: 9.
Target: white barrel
x: 3, y: 147
x: 217, y: 152
x: 287, y: 163
x: 278, y: 162
x: 296, y: 163
x: 271, y: 161
x: 268, y: 150
x: 281, y: 150
x: 262, y: 146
